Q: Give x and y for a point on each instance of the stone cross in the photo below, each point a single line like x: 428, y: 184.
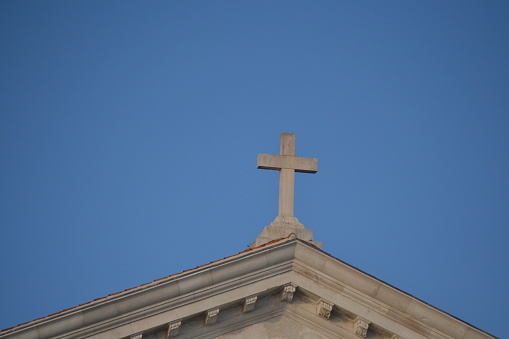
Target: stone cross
x: 287, y: 164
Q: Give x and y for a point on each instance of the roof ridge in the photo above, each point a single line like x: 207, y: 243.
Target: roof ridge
x: 145, y: 285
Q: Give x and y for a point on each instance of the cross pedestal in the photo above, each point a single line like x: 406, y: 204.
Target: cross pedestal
x: 287, y: 164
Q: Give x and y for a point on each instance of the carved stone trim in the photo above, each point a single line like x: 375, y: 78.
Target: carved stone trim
x: 173, y: 329
x: 249, y: 304
x: 395, y: 336
x: 324, y: 308
x: 211, y: 316
x: 360, y: 327
x: 137, y: 336
x: 287, y: 293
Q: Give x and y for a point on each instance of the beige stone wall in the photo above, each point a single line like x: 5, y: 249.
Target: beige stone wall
x: 287, y: 289
x: 280, y: 327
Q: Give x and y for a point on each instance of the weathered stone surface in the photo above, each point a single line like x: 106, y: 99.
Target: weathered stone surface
x: 285, y: 227
x: 278, y: 162
x: 281, y: 327
x: 249, y: 304
x: 173, y: 329
x: 324, y: 308
x: 211, y: 316
x: 264, y: 272
x: 360, y: 327
x: 288, y: 292
x: 287, y: 164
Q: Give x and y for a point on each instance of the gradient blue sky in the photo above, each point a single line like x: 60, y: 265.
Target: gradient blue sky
x: 129, y: 133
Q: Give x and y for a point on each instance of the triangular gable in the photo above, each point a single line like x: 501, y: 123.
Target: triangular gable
x: 286, y: 284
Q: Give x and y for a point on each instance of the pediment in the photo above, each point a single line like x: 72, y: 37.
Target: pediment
x: 282, y: 312
x: 285, y: 289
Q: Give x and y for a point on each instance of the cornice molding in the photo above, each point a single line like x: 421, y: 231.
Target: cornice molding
x: 249, y: 304
x: 287, y: 293
x: 211, y: 316
x: 173, y: 329
x: 281, y: 271
x: 324, y: 308
x: 360, y: 327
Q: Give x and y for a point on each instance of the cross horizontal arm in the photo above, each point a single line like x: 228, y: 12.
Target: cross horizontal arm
x: 278, y: 162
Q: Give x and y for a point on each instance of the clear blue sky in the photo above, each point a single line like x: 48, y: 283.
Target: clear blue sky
x: 129, y: 133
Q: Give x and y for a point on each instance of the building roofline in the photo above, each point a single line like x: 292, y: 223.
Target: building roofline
x: 247, y: 252
x: 115, y: 295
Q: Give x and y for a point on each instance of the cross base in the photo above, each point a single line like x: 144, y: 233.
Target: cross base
x: 285, y: 227
x: 285, y: 221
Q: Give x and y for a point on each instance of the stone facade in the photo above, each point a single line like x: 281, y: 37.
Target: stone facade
x: 285, y: 289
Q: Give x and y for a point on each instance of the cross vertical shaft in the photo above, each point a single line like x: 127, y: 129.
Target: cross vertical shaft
x: 287, y: 177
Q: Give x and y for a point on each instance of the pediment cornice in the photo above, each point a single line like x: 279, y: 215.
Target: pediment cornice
x: 287, y: 278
